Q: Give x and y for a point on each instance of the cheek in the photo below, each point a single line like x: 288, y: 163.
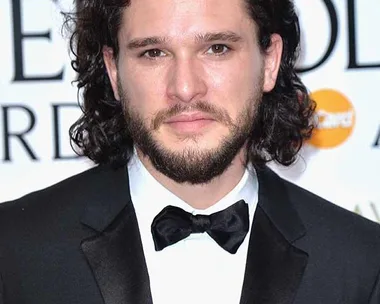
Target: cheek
x: 145, y: 91
x: 233, y: 86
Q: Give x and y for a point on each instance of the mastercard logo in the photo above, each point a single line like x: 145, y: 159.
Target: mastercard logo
x: 335, y: 119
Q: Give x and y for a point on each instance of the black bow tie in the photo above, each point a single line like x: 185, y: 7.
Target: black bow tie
x: 227, y: 227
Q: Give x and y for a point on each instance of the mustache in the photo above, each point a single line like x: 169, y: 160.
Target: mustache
x: 201, y: 106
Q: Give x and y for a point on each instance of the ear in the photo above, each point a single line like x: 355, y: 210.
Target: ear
x: 111, y: 66
x: 272, y: 61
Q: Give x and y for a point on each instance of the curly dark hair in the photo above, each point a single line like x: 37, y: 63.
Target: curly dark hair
x: 283, y: 118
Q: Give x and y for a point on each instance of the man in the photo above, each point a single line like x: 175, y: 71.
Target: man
x: 184, y: 102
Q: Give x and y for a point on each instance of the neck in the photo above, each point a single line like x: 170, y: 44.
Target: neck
x: 201, y: 196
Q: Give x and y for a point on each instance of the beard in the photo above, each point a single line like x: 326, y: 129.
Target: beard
x: 191, y: 165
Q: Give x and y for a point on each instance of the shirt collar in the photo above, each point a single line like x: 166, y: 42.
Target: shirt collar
x: 150, y: 197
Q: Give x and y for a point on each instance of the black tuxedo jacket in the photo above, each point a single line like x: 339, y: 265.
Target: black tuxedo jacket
x: 78, y: 242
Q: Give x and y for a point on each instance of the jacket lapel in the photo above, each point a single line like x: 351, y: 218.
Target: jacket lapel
x: 115, y: 252
x: 274, y: 266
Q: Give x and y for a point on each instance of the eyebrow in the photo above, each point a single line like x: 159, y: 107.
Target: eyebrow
x: 144, y: 42
x: 199, y: 38
x: 218, y: 36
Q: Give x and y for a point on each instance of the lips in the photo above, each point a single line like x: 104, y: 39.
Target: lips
x: 189, y: 117
x: 189, y: 123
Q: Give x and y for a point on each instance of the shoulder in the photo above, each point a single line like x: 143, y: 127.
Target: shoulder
x: 66, y: 199
x: 69, y: 187
x: 343, y: 247
x: 331, y: 226
x: 319, y: 216
x: 318, y: 210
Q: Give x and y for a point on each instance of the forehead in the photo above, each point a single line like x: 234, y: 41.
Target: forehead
x: 179, y: 18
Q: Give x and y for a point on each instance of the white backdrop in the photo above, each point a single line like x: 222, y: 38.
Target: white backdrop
x: 340, y: 64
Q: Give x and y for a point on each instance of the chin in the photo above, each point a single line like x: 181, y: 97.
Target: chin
x: 194, y: 144
x: 201, y: 140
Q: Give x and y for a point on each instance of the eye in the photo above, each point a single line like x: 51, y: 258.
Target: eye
x: 153, y: 53
x: 218, y: 49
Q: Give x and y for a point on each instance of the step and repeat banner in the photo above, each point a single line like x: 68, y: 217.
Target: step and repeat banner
x: 340, y: 64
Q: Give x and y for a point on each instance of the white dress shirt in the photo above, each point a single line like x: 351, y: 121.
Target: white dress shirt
x: 195, y: 270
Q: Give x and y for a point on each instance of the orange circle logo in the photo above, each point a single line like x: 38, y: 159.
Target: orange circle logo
x: 335, y: 117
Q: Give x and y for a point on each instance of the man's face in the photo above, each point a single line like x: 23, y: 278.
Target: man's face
x: 190, y: 74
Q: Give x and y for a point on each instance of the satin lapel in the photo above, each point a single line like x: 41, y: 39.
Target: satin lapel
x: 274, y: 266
x: 115, y: 253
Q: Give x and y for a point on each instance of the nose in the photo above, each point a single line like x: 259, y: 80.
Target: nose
x: 186, y: 81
